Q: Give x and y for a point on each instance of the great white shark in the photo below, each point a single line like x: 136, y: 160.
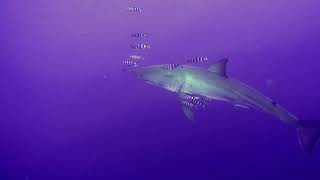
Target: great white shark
x: 196, y: 86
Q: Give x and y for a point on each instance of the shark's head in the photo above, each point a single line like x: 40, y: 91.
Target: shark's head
x: 165, y: 76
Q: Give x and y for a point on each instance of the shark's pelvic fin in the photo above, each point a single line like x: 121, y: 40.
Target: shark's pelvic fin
x: 240, y: 106
x: 220, y: 67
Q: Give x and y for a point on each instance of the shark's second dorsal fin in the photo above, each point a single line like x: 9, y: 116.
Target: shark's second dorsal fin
x: 220, y: 67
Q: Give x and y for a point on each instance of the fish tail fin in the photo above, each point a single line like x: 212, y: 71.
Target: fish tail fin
x: 308, y: 134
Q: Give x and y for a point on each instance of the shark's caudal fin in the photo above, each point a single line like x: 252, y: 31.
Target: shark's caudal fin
x: 308, y: 134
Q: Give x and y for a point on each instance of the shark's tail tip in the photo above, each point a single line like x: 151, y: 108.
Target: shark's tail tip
x: 308, y: 134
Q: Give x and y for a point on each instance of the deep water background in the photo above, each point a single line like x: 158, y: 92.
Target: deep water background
x: 69, y: 112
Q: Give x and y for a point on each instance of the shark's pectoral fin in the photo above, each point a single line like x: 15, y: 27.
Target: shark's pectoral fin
x: 190, y: 103
x: 187, y: 107
x: 220, y: 67
x: 189, y: 112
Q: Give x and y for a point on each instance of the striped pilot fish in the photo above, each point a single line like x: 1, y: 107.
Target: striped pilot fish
x: 172, y: 66
x: 141, y: 46
x: 197, y: 59
x: 195, y: 101
x: 135, y: 9
x: 130, y: 63
x: 139, y: 35
x: 136, y: 57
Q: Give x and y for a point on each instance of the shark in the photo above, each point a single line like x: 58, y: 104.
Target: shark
x: 196, y: 86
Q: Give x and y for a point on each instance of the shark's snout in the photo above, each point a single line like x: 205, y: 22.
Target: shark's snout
x: 145, y: 74
x: 156, y: 75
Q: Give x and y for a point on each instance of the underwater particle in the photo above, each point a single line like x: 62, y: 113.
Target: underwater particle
x: 140, y: 35
x: 135, y: 9
x: 269, y: 82
x: 197, y: 59
x: 136, y: 57
x: 140, y: 46
x: 83, y: 33
x: 106, y: 76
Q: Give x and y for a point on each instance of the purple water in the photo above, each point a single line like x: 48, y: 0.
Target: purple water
x: 69, y: 112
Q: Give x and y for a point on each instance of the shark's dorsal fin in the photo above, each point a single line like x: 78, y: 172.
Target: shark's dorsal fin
x: 219, y: 67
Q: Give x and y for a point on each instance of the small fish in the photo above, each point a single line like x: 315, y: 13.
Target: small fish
x: 139, y: 35
x: 172, y: 66
x: 195, y: 104
x: 198, y: 102
x: 130, y: 63
x: 135, y: 9
x: 197, y: 59
x: 202, y: 103
x: 136, y: 57
x: 190, y: 97
x: 187, y: 103
x: 141, y: 46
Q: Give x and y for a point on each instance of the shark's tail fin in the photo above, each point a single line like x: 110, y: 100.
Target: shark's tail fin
x: 308, y: 134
